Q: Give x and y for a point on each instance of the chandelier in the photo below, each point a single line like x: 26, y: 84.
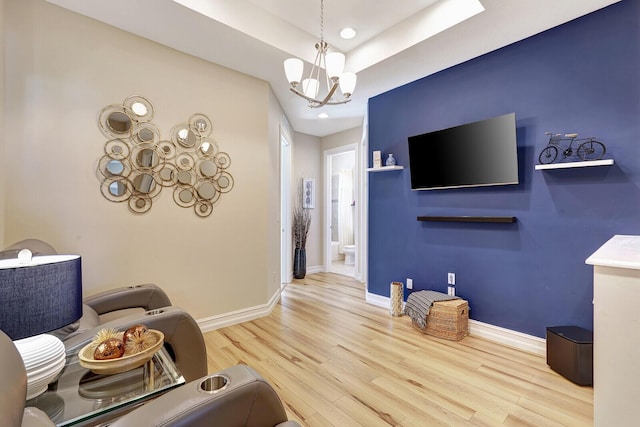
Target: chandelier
x: 333, y: 65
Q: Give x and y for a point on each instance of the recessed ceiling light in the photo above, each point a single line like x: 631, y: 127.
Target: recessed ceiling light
x: 323, y: 115
x: 347, y: 33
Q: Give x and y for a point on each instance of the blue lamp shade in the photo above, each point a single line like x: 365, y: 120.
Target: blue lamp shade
x: 40, y: 296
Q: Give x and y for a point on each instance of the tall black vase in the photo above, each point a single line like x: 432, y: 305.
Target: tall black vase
x: 299, y: 263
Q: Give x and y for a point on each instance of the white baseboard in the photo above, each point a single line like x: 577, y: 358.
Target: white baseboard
x: 377, y: 300
x: 227, y: 319
x: 508, y: 337
x: 315, y: 269
x: 515, y: 339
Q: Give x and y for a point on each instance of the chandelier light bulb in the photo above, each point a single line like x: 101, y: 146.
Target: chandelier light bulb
x: 348, y: 83
x: 335, y: 64
x: 293, y: 68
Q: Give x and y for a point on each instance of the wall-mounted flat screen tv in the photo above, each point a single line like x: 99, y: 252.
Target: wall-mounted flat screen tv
x: 471, y: 155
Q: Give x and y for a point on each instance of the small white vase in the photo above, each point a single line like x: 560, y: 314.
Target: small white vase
x: 391, y: 161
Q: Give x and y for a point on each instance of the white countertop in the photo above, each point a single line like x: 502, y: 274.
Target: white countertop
x: 619, y: 251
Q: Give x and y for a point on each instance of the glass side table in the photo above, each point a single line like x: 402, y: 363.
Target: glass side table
x: 79, y: 397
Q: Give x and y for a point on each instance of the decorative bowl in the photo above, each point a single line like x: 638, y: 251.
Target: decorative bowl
x: 122, y: 364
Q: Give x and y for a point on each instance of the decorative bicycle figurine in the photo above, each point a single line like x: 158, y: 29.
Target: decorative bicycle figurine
x: 588, y: 148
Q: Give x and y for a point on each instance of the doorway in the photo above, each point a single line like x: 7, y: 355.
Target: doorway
x: 341, y: 218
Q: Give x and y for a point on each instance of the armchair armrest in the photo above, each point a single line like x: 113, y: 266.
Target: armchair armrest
x: 148, y: 296
x: 246, y: 399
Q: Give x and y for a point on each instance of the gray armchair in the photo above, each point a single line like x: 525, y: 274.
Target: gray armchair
x: 237, y: 396
x: 126, y: 306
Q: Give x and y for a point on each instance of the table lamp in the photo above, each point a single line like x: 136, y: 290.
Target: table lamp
x: 38, y: 295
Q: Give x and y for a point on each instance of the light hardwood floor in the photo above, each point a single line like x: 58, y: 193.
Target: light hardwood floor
x: 337, y: 361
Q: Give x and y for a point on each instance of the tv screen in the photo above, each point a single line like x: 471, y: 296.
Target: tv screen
x: 471, y: 155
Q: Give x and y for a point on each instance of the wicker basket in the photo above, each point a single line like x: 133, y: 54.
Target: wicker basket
x: 448, y: 320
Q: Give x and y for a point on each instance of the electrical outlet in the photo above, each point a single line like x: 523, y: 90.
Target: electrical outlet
x: 409, y: 283
x: 451, y: 278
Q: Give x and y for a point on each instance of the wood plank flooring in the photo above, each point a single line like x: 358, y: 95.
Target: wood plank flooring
x: 336, y: 361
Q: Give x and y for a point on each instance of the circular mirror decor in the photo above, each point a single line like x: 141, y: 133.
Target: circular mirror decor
x: 168, y: 175
x: 116, y: 149
x: 167, y: 149
x: 224, y: 182
x: 206, y: 191
x: 137, y: 164
x: 144, y: 183
x: 140, y: 108
x: 147, y: 158
x: 184, y: 177
x: 115, y: 122
x: 184, y: 137
x: 184, y: 197
x: 116, y: 189
x: 203, y: 208
x: 208, y: 148
x: 139, y: 204
x: 222, y: 160
x: 119, y: 122
x: 185, y: 161
x: 115, y: 167
x: 200, y: 124
x: 109, y: 167
x: 145, y: 133
x: 208, y: 168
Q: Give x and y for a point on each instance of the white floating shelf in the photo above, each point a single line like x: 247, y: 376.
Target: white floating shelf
x: 605, y: 162
x: 385, y: 169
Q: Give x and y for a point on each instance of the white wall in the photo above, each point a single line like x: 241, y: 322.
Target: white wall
x: 307, y: 163
x: 349, y: 136
x: 61, y: 70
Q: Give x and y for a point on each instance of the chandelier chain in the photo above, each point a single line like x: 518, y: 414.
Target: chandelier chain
x: 321, y: 21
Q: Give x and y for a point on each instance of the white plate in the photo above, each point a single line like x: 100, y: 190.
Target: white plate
x: 37, y: 386
x: 42, y: 356
x: 34, y: 349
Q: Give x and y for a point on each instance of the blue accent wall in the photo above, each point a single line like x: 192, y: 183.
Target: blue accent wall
x: 582, y: 77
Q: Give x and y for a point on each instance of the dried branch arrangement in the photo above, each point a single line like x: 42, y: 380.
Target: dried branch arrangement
x: 301, y: 225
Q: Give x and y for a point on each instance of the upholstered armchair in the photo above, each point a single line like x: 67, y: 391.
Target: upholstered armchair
x: 126, y: 306
x: 237, y: 396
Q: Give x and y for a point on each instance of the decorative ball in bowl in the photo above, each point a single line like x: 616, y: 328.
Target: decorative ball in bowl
x: 112, y: 352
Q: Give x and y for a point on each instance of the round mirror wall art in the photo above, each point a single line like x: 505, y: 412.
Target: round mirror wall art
x: 137, y: 164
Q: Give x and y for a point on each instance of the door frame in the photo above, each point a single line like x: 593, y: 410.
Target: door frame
x: 286, y: 268
x: 327, y: 160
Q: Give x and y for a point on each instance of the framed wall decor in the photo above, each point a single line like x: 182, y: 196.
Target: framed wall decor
x: 308, y: 193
